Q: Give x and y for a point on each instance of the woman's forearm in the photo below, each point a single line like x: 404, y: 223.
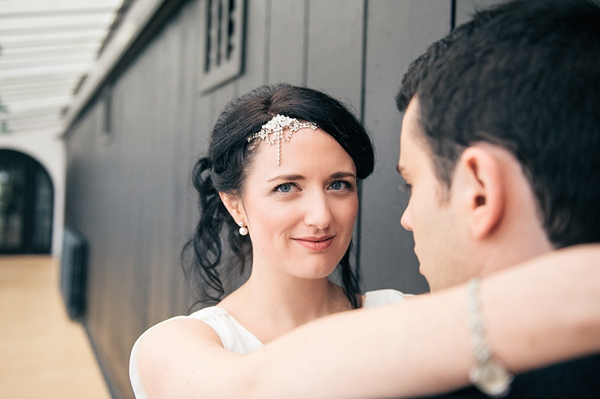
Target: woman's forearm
x: 547, y: 311
x: 544, y: 312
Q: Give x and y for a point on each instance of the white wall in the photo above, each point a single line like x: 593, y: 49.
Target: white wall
x: 50, y: 152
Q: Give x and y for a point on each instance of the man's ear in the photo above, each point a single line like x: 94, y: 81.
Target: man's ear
x: 484, y: 190
x: 234, y: 206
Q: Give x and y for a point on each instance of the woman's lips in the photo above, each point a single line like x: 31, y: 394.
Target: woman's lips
x: 315, y: 243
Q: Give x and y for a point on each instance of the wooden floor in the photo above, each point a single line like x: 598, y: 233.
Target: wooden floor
x: 43, y: 354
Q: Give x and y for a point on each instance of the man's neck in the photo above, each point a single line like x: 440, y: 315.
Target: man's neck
x: 521, y: 249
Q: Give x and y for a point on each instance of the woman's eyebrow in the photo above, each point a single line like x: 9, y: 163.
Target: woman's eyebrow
x: 340, y: 175
x: 291, y: 177
x: 296, y: 177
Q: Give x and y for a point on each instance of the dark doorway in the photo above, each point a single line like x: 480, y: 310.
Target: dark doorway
x: 26, y: 205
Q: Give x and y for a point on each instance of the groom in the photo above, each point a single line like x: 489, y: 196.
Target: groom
x: 500, y: 146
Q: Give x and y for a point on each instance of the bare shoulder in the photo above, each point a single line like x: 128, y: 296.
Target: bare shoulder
x: 174, y: 352
x: 180, y: 331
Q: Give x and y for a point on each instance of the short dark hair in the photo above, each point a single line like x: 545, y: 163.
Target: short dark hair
x: 224, y: 170
x: 524, y: 75
x: 417, y: 70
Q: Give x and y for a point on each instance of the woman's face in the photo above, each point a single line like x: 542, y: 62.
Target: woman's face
x: 300, y: 214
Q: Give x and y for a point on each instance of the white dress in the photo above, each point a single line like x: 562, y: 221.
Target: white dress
x: 234, y: 336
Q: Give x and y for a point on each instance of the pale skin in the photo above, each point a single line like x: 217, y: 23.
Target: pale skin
x: 484, y: 222
x: 301, y: 216
x: 338, y: 356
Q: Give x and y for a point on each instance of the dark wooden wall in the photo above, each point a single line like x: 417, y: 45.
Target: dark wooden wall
x: 128, y: 192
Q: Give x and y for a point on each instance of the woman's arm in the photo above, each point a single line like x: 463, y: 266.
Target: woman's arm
x: 545, y: 311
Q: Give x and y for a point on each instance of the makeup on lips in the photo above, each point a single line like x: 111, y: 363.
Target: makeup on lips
x: 315, y: 243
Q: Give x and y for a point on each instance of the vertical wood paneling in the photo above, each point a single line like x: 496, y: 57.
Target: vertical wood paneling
x: 188, y: 132
x: 335, y: 42
x: 221, y: 97
x: 130, y: 195
x: 397, y: 33
x: 164, y: 263
x: 257, y: 37
x: 466, y: 8
x: 288, y: 41
x: 132, y: 275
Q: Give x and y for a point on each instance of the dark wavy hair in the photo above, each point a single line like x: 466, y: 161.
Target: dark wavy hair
x: 224, y: 170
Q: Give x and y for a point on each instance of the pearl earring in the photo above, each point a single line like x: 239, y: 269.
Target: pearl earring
x: 243, y: 229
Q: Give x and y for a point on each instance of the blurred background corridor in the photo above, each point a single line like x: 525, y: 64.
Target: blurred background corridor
x: 44, y: 354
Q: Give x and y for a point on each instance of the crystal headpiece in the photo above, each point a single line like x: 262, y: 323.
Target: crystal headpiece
x: 272, y: 131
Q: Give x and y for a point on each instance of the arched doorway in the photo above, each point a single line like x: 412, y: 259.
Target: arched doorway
x: 26, y: 205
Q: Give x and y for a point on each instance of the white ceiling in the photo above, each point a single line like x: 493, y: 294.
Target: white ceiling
x: 46, y: 48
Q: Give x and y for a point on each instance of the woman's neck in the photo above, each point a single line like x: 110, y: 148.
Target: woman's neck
x: 270, y: 305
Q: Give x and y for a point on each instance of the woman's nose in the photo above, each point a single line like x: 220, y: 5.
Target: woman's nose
x: 318, y: 212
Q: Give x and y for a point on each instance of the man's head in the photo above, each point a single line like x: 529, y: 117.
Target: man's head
x: 506, y: 110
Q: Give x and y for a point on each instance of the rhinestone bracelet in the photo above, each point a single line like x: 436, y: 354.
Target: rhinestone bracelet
x: 488, y: 375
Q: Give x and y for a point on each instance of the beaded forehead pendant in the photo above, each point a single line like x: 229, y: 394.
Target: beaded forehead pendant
x: 272, y: 131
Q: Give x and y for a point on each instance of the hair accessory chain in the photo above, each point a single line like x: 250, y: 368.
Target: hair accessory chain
x: 272, y: 131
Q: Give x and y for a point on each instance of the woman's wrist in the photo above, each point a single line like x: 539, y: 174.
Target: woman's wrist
x: 546, y: 311
x: 488, y: 375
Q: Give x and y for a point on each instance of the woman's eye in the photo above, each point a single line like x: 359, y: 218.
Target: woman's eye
x: 284, y: 188
x: 336, y: 185
x: 340, y: 185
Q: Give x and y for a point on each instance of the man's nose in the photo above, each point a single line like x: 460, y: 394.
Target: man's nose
x: 406, y: 221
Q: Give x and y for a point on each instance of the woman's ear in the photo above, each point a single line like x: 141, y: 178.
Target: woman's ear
x: 233, y: 205
x: 484, y: 190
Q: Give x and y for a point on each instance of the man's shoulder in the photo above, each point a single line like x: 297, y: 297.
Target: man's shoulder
x: 575, y: 379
